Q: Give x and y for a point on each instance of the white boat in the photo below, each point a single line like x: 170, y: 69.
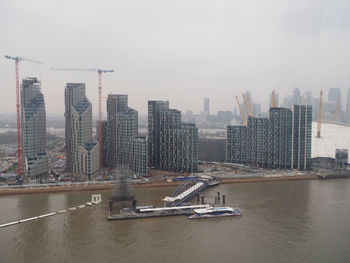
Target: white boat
x: 215, y: 212
x: 89, y: 203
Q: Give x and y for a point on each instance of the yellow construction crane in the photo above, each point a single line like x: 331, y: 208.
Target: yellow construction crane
x: 273, y: 102
x: 319, y: 117
x: 246, y: 105
x: 250, y: 107
x: 241, y: 112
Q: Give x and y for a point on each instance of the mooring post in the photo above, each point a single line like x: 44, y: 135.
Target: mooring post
x: 202, y: 200
x: 198, y: 199
x: 218, y: 197
x: 110, y: 202
x: 223, y: 199
x: 216, y: 200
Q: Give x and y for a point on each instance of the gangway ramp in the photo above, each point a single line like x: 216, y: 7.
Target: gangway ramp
x: 186, y: 195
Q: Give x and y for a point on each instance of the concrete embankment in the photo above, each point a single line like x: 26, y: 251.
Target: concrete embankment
x: 109, y: 186
x: 267, y: 179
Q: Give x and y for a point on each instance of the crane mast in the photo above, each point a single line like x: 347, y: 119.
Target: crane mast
x: 319, y: 117
x: 18, y: 112
x: 274, y: 104
x: 246, y: 105
x: 241, y: 112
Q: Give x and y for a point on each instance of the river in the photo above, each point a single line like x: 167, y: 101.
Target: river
x: 291, y: 221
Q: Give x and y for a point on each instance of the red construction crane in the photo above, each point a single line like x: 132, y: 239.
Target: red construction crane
x: 99, y: 71
x: 19, y: 149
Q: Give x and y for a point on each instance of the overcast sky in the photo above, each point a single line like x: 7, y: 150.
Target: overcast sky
x: 181, y: 51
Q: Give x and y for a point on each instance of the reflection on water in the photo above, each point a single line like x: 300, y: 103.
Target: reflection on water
x: 300, y: 221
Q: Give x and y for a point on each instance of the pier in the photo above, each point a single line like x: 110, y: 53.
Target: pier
x: 156, y: 212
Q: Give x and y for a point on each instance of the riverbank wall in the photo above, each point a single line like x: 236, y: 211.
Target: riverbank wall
x: 110, y: 186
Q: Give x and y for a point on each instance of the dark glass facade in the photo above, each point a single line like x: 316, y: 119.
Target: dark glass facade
x: 282, y: 141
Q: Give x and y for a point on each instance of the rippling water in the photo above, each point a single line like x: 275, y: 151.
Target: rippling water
x: 300, y: 221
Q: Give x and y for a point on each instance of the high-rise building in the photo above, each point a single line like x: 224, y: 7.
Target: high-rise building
x: 206, y: 106
x: 125, y: 149
x: 127, y: 129
x: 334, y: 95
x: 173, y: 145
x: 170, y: 120
x: 82, y: 153
x: 236, y: 144
x: 280, y: 138
x: 301, y: 137
x: 139, y: 156
x: 188, y: 147
x: 33, y: 131
x: 283, y: 141
x: 115, y: 103
x: 104, y: 142
x: 154, y: 134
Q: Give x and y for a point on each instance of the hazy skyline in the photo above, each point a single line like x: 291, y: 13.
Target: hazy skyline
x: 181, y: 51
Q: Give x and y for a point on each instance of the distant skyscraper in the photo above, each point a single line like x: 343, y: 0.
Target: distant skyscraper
x: 82, y: 152
x: 33, y: 130
x: 206, y: 108
x: 334, y: 95
x: 297, y: 100
x: 308, y: 98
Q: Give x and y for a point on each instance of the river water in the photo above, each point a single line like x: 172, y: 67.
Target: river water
x: 294, y: 221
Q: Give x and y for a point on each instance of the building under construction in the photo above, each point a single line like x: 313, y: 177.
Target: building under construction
x: 281, y: 141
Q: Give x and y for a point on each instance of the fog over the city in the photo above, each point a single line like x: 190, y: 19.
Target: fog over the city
x: 181, y: 51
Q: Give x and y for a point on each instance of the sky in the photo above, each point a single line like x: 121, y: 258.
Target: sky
x: 176, y: 50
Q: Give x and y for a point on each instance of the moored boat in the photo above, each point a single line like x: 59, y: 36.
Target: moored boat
x: 215, y: 212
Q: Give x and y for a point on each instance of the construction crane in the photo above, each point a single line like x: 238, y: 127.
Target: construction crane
x: 99, y: 71
x: 319, y: 117
x: 246, y: 105
x: 273, y: 102
x: 19, y: 149
x: 241, y: 112
x: 250, y: 107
